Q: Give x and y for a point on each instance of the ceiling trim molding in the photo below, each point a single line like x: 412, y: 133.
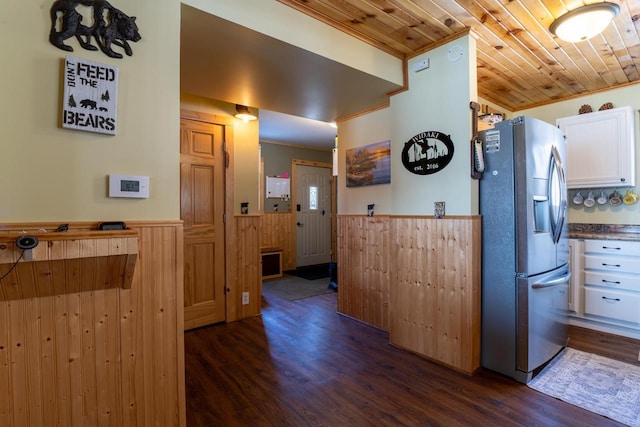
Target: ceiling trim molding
x: 575, y: 96
x: 206, y: 117
x: 363, y: 112
x: 289, y: 144
x: 441, y: 42
x: 344, y: 28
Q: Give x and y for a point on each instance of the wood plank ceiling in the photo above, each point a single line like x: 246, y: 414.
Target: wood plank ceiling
x: 520, y: 63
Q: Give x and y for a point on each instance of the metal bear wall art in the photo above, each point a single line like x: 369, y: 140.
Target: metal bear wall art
x: 110, y: 27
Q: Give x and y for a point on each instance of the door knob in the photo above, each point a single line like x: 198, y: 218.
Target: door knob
x: 299, y: 224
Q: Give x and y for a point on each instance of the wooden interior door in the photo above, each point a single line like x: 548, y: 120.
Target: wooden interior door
x: 202, y: 210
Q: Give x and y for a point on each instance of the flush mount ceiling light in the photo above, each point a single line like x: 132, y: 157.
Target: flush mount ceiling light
x: 584, y: 22
x: 243, y: 113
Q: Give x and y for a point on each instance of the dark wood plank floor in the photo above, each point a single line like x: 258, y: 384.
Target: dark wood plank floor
x: 301, y: 364
x: 612, y: 346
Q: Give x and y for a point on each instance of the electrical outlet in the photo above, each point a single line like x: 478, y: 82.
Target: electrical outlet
x: 245, y: 298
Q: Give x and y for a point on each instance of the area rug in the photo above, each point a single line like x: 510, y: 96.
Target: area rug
x: 595, y: 383
x: 294, y: 288
x: 311, y: 272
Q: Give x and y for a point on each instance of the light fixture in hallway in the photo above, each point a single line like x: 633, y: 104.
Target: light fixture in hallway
x: 243, y: 113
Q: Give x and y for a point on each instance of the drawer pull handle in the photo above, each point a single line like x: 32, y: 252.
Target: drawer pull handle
x: 610, y: 299
x: 610, y: 265
x: 611, y: 247
x: 610, y: 281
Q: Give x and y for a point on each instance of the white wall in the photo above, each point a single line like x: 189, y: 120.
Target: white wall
x: 437, y: 100
x: 52, y: 174
x: 287, y: 24
x: 606, y: 214
x: 357, y: 132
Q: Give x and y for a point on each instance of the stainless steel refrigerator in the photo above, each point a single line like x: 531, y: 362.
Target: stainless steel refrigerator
x: 525, y: 248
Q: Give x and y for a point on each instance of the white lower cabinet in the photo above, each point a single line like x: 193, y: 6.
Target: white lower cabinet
x: 616, y: 305
x: 611, y: 282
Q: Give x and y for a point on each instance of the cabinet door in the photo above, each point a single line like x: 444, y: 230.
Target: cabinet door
x: 614, y: 264
x: 600, y: 148
x: 613, y: 247
x: 612, y: 304
x: 576, y: 266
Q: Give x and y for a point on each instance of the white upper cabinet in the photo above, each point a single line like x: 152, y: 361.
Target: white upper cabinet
x: 600, y: 148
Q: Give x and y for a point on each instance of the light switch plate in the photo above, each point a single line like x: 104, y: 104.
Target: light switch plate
x: 421, y: 65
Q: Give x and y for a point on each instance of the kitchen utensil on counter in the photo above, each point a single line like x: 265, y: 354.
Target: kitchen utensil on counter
x: 590, y: 201
x: 602, y: 198
x: 615, y: 198
x: 578, y: 198
x: 630, y: 197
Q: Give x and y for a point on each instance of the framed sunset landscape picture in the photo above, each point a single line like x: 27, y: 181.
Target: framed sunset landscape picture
x: 369, y: 165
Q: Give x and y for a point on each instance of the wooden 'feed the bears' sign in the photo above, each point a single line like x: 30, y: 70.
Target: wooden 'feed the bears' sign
x: 90, y: 96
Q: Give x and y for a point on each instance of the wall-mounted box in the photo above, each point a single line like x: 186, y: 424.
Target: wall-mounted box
x: 278, y: 188
x: 129, y: 186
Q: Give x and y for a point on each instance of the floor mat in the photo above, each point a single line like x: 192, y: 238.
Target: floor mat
x: 598, y: 384
x: 311, y: 272
x: 293, y: 288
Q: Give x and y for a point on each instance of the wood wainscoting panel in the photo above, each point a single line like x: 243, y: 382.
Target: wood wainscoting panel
x: 435, y: 289
x: 91, y: 357
x: 278, y: 232
x: 248, y: 277
x: 364, y: 267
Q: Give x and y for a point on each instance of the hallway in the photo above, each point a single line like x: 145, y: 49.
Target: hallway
x: 302, y: 364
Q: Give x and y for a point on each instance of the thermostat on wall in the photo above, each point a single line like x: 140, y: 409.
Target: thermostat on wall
x: 129, y: 186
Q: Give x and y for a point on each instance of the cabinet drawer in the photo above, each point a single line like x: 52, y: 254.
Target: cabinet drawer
x: 612, y: 304
x: 618, y: 281
x: 610, y: 263
x: 617, y: 247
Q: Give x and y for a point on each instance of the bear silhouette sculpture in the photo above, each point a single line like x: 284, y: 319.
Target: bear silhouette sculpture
x: 110, y: 27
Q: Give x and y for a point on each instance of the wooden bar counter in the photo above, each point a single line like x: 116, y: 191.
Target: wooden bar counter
x: 67, y: 262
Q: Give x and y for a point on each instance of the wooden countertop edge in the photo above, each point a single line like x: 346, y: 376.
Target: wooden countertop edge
x: 70, y: 235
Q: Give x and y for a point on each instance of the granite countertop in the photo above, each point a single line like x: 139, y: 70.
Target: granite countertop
x: 604, y: 231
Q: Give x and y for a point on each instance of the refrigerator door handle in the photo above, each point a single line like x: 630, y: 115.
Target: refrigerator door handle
x: 551, y: 283
x: 557, y: 196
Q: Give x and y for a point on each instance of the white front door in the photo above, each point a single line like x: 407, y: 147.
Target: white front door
x: 313, y: 215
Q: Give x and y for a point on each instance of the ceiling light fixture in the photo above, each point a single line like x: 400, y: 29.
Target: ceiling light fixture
x: 584, y: 22
x: 243, y: 113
